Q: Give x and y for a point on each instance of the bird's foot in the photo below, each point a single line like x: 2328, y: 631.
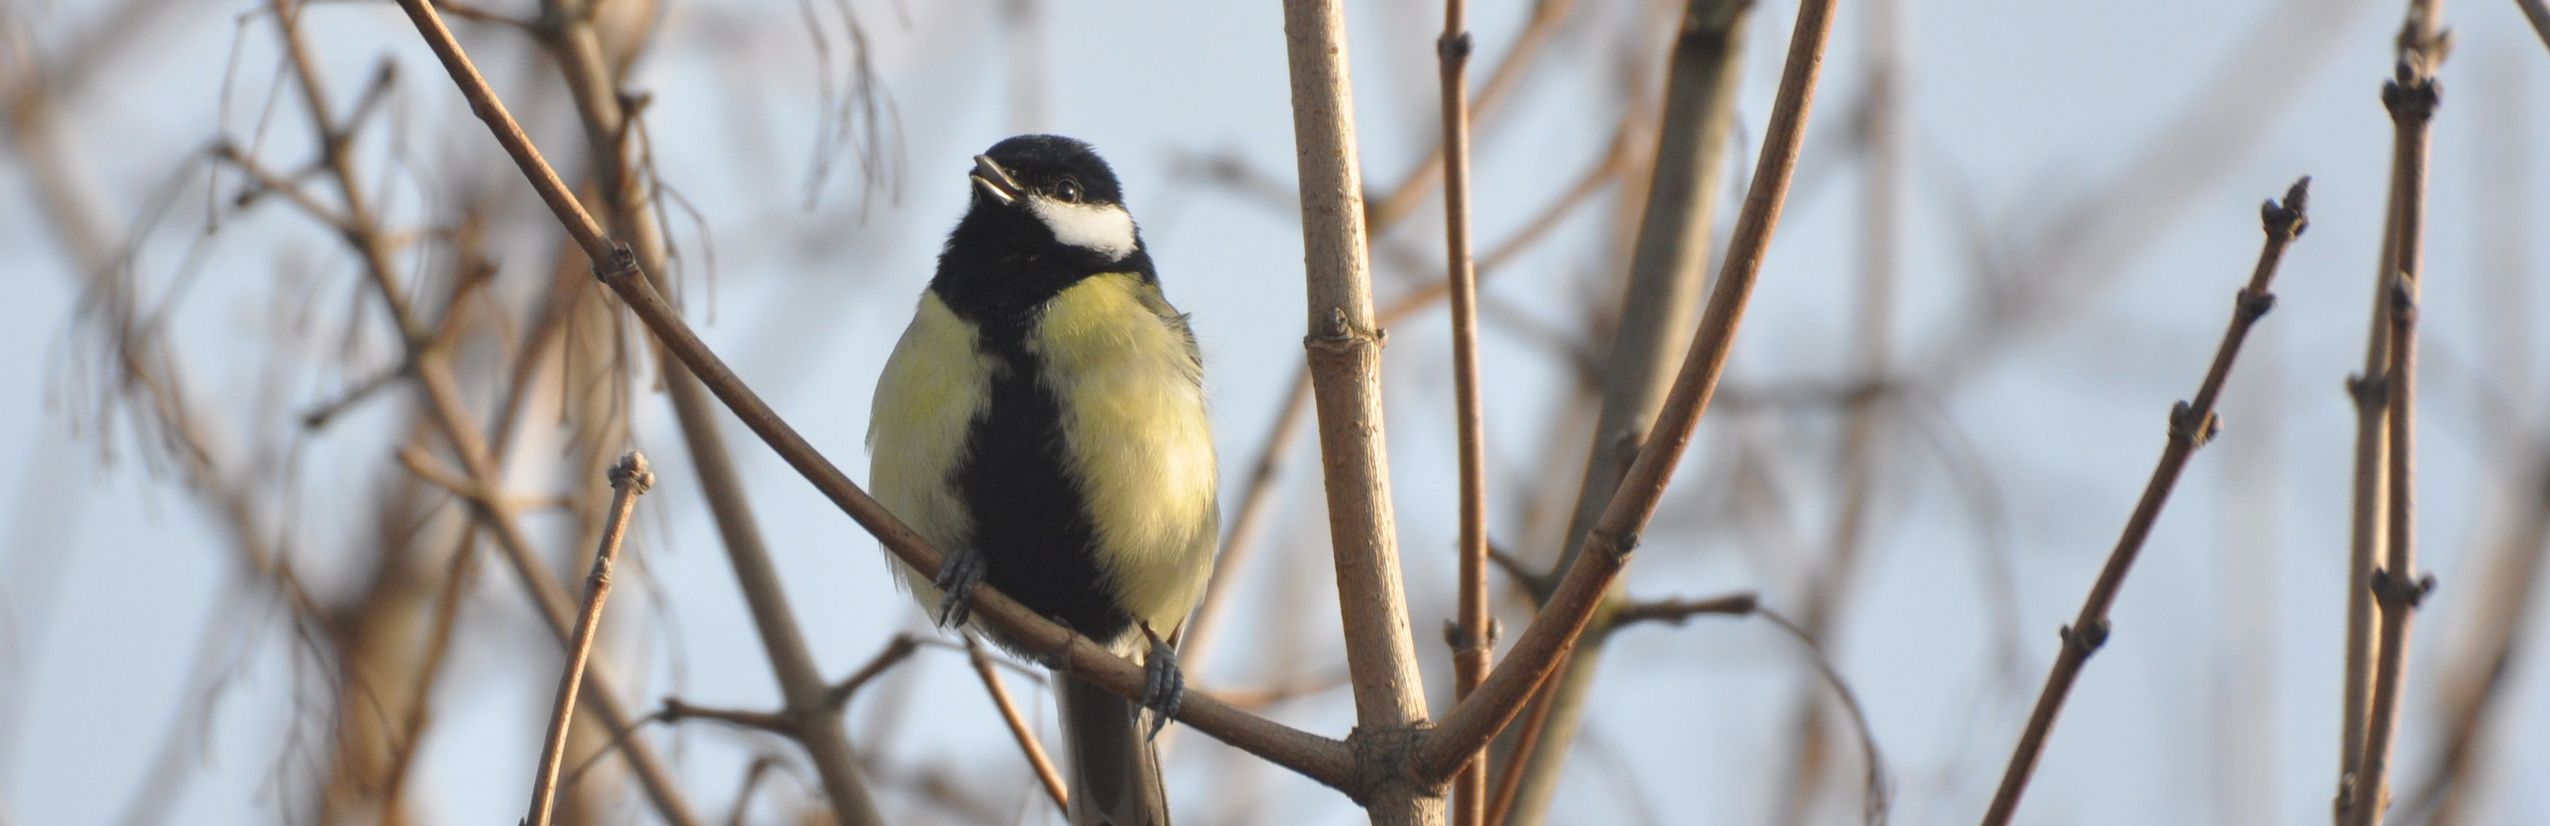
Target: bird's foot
x: 1163, y: 685
x: 958, y: 574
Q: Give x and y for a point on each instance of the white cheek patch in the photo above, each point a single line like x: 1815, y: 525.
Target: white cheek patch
x: 1104, y: 229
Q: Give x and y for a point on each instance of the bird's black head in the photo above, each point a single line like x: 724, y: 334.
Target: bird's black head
x: 1046, y: 212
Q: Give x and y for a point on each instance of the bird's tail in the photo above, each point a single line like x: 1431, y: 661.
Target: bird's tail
x: 1115, y: 776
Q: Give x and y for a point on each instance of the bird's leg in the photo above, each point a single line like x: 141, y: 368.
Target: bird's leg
x: 959, y: 572
x: 1163, y: 685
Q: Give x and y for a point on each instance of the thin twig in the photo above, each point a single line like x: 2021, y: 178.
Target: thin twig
x: 1319, y: 758
x: 675, y: 710
x: 1676, y: 611
x: 629, y: 478
x: 1537, y: 652
x: 1402, y: 200
x: 2397, y: 586
x: 1018, y: 728
x: 1472, y: 634
x: 896, y: 651
x: 2365, y: 513
x: 2191, y: 425
x: 1874, y: 799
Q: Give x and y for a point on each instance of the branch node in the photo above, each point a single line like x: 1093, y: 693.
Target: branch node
x: 1460, y: 642
x: 2368, y: 393
x: 2401, y: 591
x: 2403, y: 296
x: 1453, y: 47
x: 2252, y: 305
x: 622, y: 264
x: 1338, y: 334
x: 2086, y: 639
x: 1623, y: 544
x: 632, y: 472
x: 2412, y: 94
x: 2185, y: 426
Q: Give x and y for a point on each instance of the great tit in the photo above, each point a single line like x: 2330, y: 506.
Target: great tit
x: 1043, y: 421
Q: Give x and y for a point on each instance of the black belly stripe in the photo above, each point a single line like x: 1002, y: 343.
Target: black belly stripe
x: 1030, y: 522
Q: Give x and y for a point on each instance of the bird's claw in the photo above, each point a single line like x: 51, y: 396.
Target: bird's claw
x: 958, y: 574
x: 1163, y: 685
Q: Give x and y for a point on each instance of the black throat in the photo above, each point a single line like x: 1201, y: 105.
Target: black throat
x: 1001, y: 265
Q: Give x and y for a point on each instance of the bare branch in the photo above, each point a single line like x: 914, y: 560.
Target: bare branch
x: 1018, y: 728
x: 2191, y: 425
x: 1676, y: 611
x: 1472, y: 634
x: 676, y: 711
x: 1344, y: 349
x: 628, y: 479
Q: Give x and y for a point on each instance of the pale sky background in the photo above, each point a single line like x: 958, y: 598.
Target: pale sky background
x: 2216, y: 700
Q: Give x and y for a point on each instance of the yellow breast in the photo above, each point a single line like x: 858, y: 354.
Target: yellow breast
x: 1138, y: 439
x: 934, y: 385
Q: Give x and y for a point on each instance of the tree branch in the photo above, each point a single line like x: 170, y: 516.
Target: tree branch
x: 2191, y: 425
x: 629, y: 478
x: 1344, y: 351
x: 1018, y: 728
x: 1472, y: 634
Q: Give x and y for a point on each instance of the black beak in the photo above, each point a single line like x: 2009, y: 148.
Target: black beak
x: 994, y: 180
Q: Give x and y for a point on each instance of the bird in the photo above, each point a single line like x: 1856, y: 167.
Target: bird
x: 1043, y: 421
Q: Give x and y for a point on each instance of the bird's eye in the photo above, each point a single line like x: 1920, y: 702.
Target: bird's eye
x: 1068, y: 190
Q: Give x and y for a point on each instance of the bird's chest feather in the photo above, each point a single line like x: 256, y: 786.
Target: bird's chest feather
x: 1132, y: 423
